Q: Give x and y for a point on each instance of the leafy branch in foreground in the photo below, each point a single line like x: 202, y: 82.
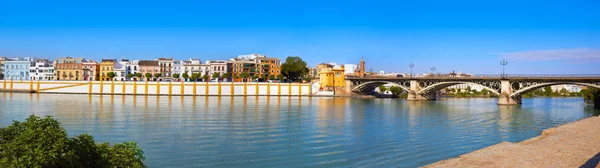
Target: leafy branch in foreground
x: 42, y: 142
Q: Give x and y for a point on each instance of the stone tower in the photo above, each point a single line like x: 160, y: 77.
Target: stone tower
x: 361, y: 68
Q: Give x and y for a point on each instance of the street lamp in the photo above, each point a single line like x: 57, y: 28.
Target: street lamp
x: 433, y: 70
x: 503, y: 63
x: 411, y: 65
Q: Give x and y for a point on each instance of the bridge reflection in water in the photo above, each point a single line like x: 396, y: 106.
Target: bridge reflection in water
x: 509, y: 90
x: 306, y: 132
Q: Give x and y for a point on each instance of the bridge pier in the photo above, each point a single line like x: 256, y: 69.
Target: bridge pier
x: 505, y: 91
x: 414, y: 90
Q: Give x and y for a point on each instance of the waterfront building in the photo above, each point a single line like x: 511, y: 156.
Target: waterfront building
x: 149, y: 67
x: 217, y: 66
x: 193, y: 66
x: 17, y: 68
x: 121, y: 69
x: 91, y: 70
x: 350, y: 68
x: 268, y: 67
x: 133, y: 68
x: 106, y: 66
x: 69, y: 68
x: 2, y: 59
x: 42, y: 69
x: 334, y: 76
x: 321, y: 68
x: 166, y: 67
x: 239, y: 66
x: 177, y: 68
x: 463, y: 87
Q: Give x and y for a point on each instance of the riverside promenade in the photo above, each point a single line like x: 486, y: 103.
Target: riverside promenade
x: 575, y: 144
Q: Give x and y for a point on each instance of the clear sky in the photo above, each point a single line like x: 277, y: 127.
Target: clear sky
x: 535, y: 37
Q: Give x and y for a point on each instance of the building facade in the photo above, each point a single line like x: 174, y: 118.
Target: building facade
x: 42, y: 70
x: 69, y: 69
x: 106, y: 66
x: 16, y: 69
x: 332, y: 77
x: 91, y: 70
x: 166, y: 67
x: 149, y: 67
x: 217, y: 66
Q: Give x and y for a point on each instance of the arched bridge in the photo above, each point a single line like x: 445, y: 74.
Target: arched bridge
x: 508, y: 89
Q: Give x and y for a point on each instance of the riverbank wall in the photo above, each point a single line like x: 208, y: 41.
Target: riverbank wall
x: 570, y: 145
x: 161, y: 88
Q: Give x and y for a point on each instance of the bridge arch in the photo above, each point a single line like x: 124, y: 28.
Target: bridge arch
x: 370, y: 86
x: 493, y: 87
x: 518, y: 91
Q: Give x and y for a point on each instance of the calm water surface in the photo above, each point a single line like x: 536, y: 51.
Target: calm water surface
x: 296, y: 132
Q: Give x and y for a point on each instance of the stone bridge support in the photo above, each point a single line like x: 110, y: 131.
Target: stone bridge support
x: 505, y: 91
x: 414, y: 90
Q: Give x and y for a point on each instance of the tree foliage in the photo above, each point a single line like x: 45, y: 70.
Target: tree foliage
x: 175, y: 75
x: 216, y: 75
x: 195, y: 76
x: 42, y: 142
x: 129, y: 76
x: 148, y: 76
x: 157, y: 75
x: 245, y: 75
x: 185, y: 75
x: 396, y: 90
x: 111, y: 75
x: 294, y: 68
x: 382, y: 88
x: 139, y: 75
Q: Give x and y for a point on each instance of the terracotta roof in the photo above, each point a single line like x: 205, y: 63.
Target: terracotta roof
x: 148, y: 63
x: 165, y: 59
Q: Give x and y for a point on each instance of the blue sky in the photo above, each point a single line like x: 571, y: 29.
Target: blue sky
x: 536, y: 37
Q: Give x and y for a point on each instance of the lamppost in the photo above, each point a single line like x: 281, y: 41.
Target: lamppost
x: 433, y: 70
x: 503, y: 63
x: 411, y: 65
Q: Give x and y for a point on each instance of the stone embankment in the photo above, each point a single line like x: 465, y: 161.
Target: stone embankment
x: 575, y: 144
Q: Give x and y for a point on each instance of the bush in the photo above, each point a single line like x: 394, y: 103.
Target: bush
x: 42, y: 142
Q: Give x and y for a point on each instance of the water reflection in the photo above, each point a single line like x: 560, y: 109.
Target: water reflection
x: 272, y: 131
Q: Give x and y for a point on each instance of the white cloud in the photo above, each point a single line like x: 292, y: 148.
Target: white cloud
x: 575, y: 54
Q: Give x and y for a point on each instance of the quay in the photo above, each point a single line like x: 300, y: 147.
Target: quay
x: 160, y: 88
x: 571, y: 145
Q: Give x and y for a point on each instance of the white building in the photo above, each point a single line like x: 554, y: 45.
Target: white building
x: 349, y: 68
x: 217, y: 66
x: 42, y: 70
x: 177, y: 68
x: 133, y: 67
x: 193, y: 66
x: 463, y: 87
x: 121, y: 70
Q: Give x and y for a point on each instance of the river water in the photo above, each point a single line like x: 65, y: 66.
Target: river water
x: 293, y: 131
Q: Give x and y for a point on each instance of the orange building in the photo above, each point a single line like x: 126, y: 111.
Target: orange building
x: 69, y: 68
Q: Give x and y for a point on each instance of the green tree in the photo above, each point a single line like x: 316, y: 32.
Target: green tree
x: 280, y: 77
x: 294, y: 68
x: 175, y: 75
x: 245, y: 75
x: 226, y: 75
x: 254, y: 77
x: 382, y: 88
x: 111, y: 75
x: 307, y: 79
x: 148, y: 76
x: 215, y: 75
x: 139, y: 75
x: 185, y: 76
x: 195, y: 76
x: 42, y: 142
x: 548, y: 91
x: 157, y: 75
x: 205, y: 77
x: 129, y: 76
x: 271, y: 77
x: 396, y: 90
x: 468, y: 89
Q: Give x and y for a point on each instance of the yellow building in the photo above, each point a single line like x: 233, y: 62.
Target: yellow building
x: 329, y: 77
x: 106, y: 66
x: 69, y: 68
